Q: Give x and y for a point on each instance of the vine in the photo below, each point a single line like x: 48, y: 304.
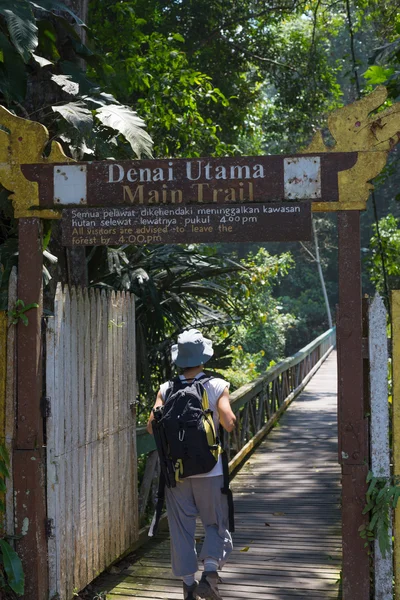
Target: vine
x: 382, y: 495
x: 18, y: 312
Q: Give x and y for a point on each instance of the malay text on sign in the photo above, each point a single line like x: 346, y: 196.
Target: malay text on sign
x: 186, y: 224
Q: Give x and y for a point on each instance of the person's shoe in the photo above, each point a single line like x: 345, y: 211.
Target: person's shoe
x: 190, y: 591
x: 208, y: 586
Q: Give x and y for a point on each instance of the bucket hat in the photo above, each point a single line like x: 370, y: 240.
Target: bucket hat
x: 192, y: 349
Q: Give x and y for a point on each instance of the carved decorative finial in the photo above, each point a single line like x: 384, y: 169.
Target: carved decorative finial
x: 355, y: 129
x: 24, y: 142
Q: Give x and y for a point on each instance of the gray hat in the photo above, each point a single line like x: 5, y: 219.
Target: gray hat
x: 192, y: 349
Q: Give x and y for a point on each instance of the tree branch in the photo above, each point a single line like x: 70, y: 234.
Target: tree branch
x: 260, y: 58
x: 251, y: 16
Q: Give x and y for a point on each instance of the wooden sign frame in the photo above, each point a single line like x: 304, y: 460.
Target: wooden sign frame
x: 367, y: 140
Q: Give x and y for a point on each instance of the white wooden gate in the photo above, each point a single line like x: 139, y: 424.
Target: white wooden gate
x: 91, y: 443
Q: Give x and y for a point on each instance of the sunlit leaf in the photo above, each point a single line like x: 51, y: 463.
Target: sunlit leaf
x: 43, y: 62
x: 376, y: 74
x: 65, y: 82
x: 126, y: 121
x: 76, y: 114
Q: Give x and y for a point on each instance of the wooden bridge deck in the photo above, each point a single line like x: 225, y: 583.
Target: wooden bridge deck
x: 287, y: 540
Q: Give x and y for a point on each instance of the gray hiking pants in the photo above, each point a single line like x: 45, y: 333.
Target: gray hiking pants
x: 190, y: 498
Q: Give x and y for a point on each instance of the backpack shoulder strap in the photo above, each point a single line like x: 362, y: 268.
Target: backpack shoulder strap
x: 204, y: 378
x: 173, y: 385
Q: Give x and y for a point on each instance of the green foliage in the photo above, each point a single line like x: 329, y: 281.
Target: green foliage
x: 384, y: 60
x: 216, y: 78
x: 174, y: 287
x: 38, y: 44
x: 243, y: 367
x: 388, y: 243
x: 18, y: 312
x: 151, y: 67
x: 11, y: 571
x: 258, y: 333
x: 382, y: 496
x: 15, y: 578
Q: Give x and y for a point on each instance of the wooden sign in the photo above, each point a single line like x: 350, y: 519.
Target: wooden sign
x: 191, y: 181
x: 186, y: 224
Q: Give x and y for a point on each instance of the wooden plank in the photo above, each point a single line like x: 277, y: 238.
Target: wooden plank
x: 106, y: 427
x: 74, y: 427
x: 88, y: 433
x: 380, y: 452
x: 68, y: 425
x: 94, y: 444
x: 90, y: 524
x: 82, y: 577
x: 3, y: 379
x: 115, y: 484
x: 396, y: 427
x: 101, y: 399
x: 81, y: 399
x: 10, y: 407
x: 58, y: 407
x: 353, y: 430
x: 124, y: 423
x: 298, y: 554
x: 134, y: 532
x: 110, y: 412
x: 129, y: 391
x: 52, y: 482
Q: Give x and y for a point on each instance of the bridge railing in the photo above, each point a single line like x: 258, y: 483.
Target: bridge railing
x: 257, y: 406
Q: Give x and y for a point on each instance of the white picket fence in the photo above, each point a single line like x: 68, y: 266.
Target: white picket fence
x: 91, y: 435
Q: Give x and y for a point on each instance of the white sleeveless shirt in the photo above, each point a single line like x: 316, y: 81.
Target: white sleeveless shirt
x: 214, y: 388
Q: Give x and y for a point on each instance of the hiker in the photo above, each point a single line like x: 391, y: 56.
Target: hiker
x: 205, y: 494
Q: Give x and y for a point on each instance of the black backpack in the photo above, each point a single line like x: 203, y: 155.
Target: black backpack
x: 186, y: 441
x: 184, y: 431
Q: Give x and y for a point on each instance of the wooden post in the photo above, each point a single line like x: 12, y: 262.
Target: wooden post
x: 380, y: 453
x: 28, y: 465
x: 396, y: 427
x: 353, y: 425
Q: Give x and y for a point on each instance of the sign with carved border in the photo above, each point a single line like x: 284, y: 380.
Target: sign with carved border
x: 362, y: 136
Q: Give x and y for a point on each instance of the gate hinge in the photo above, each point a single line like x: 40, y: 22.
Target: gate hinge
x: 46, y: 407
x: 49, y: 526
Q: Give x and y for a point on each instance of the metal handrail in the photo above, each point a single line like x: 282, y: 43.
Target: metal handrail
x: 246, y: 393
x: 257, y: 406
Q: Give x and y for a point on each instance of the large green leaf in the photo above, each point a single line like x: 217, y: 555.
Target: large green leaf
x: 76, y: 114
x: 53, y: 6
x: 126, y: 121
x: 21, y: 26
x: 13, y: 568
x: 65, y: 82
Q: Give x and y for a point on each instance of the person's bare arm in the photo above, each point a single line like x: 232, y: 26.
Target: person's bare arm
x: 159, y: 402
x: 226, y: 416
